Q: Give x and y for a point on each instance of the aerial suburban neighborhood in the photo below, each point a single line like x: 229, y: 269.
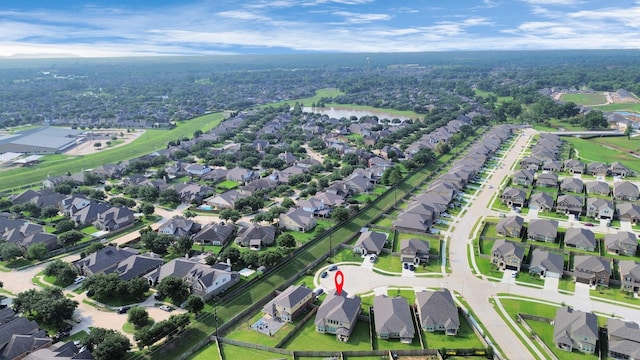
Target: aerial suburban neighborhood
x: 299, y: 234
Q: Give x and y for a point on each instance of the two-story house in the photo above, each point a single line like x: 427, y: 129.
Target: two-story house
x: 289, y: 303
x: 507, y: 255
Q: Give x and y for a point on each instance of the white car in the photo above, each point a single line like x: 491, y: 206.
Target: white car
x: 78, y: 280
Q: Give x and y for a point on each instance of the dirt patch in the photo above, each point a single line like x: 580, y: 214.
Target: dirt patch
x: 87, y: 146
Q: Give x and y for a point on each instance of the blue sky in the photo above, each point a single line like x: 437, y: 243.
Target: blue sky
x: 45, y: 28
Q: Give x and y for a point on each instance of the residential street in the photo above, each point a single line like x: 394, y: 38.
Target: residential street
x: 361, y: 279
x: 476, y: 291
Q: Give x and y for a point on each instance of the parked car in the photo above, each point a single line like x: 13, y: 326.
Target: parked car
x: 333, y: 267
x: 405, y: 266
x: 124, y: 309
x: 324, y: 274
x: 78, y: 280
x: 411, y: 267
x: 166, y: 308
x: 318, y: 291
x: 589, y: 224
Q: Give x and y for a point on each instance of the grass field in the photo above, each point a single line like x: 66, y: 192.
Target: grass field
x: 322, y: 93
x: 308, y: 339
x: 466, y: 338
x: 590, y: 151
x: 633, y: 107
x: 585, y: 98
x: 484, y: 94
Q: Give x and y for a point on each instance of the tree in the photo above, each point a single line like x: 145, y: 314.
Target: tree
x: 65, y: 225
x: 147, y: 209
x: 229, y: 214
x: 339, y: 214
x: 10, y: 251
x: 249, y: 258
x: 48, y: 306
x: 158, y: 243
x: 62, y: 271
x: 194, y: 304
x: 286, y: 240
x: 107, y: 344
x: 37, y: 251
x: 138, y: 316
x: 97, y: 144
x: 627, y: 131
x: 49, y: 212
x: 288, y: 203
x: 97, y: 195
x: 442, y: 148
x: 173, y: 287
x: 70, y: 237
x: 183, y: 245
x: 169, y: 196
x: 231, y: 253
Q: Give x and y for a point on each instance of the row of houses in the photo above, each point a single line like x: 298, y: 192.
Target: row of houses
x: 622, y: 190
x: 424, y: 209
x: 546, y: 230
x: 570, y: 204
x: 204, y: 280
x: 588, y: 269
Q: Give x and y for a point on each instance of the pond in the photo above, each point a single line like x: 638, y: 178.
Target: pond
x: 338, y: 113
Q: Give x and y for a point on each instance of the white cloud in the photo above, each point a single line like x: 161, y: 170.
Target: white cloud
x: 356, y: 18
x: 554, y: 2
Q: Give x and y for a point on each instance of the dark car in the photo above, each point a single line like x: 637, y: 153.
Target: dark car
x: 324, y: 274
x: 589, y: 224
x: 412, y: 268
x: 124, y: 309
x: 333, y: 267
x: 406, y: 266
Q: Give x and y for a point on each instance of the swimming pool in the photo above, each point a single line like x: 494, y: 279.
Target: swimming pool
x: 205, y: 207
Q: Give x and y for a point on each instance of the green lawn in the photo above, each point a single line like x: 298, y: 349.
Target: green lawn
x: 633, y: 107
x: 614, y: 294
x: 595, y: 98
x: 488, y: 269
x: 523, y: 306
x: 228, y: 185
x: 308, y: 339
x: 243, y: 332
x: 466, y: 338
x: 545, y: 332
x: 387, y: 262
x: 529, y: 278
x: 395, y: 344
x: 567, y: 284
x: 204, y: 248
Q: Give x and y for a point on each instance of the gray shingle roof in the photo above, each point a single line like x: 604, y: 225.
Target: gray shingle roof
x: 392, y: 315
x: 575, y: 326
x: 548, y: 261
x: 437, y: 307
x: 340, y: 308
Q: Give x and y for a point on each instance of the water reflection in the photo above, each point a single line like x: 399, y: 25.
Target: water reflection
x: 347, y: 113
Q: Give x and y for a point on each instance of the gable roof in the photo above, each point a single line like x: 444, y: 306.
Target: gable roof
x: 340, y: 308
x: 572, y: 326
x: 591, y: 263
x: 215, y: 232
x: 372, y: 241
x: 298, y: 216
x: 580, y: 237
x: 543, y: 227
x: 289, y: 298
x: 507, y: 248
x: 104, y: 259
x: 547, y: 260
x: 392, y: 315
x: 437, y: 307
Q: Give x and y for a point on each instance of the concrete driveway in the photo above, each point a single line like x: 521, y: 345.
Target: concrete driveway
x: 551, y: 284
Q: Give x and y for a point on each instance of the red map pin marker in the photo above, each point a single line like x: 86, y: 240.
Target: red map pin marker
x: 339, y: 280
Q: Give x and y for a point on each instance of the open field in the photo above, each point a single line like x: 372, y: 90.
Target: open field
x: 585, y: 98
x: 322, y: 93
x: 484, y: 94
x: 590, y: 151
x: 633, y: 107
